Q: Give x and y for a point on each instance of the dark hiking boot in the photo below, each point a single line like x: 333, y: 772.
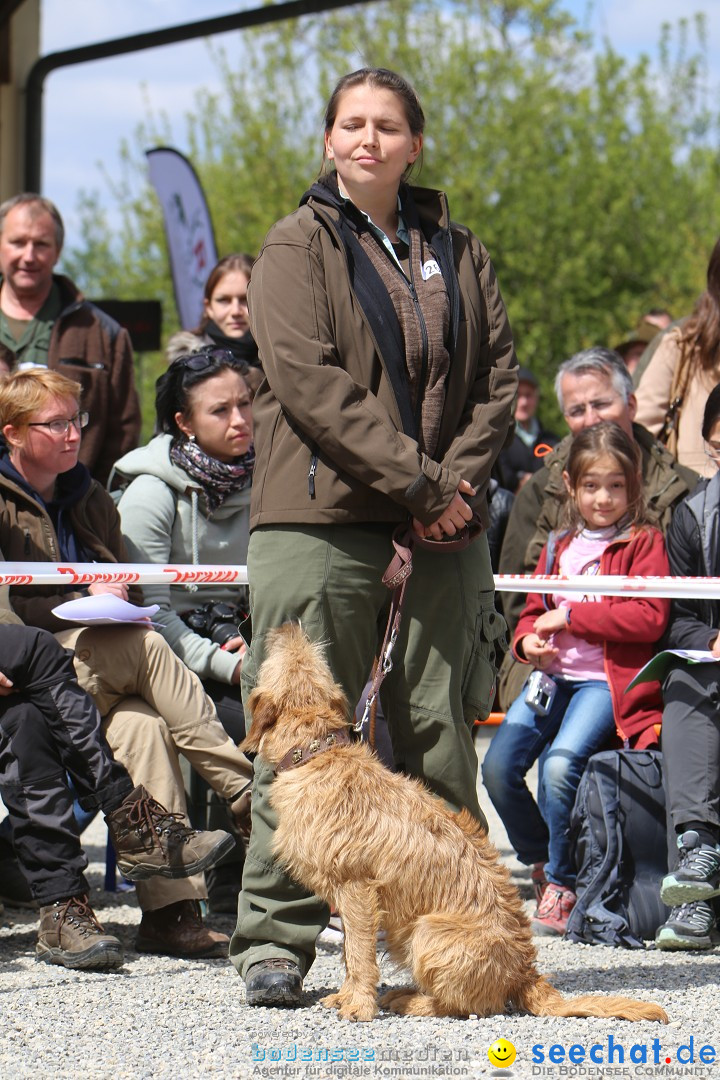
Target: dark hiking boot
x: 70, y: 935
x: 698, y: 875
x: 178, y: 930
x: 151, y: 841
x: 274, y: 983
x: 690, y: 926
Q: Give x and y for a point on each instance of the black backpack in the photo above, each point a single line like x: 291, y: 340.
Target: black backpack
x: 619, y: 838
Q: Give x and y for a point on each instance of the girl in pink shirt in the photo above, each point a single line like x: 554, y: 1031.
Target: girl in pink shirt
x: 587, y: 648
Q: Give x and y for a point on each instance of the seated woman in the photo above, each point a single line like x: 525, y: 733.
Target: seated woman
x: 225, y: 322
x: 691, y: 717
x: 586, y: 650
x: 188, y: 501
x: 49, y: 730
x: 153, y: 707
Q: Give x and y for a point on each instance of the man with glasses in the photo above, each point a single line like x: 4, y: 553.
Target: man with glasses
x: 45, y: 322
x: 591, y: 386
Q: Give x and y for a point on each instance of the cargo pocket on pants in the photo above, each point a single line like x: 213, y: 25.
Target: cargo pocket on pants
x: 489, y: 644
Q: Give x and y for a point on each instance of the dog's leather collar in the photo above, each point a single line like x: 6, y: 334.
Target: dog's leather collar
x: 302, y: 754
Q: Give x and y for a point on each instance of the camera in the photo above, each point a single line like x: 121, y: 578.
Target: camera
x: 218, y: 622
x: 540, y: 693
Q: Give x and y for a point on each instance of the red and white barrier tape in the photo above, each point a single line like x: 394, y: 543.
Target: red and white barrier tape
x: 43, y: 573
x: 611, y: 585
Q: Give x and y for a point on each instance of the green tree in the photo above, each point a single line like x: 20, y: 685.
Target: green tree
x: 592, y: 181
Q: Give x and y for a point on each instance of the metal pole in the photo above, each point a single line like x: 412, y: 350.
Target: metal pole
x: 261, y: 16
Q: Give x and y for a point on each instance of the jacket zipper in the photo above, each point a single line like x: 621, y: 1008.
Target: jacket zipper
x: 311, y: 475
x: 424, y: 338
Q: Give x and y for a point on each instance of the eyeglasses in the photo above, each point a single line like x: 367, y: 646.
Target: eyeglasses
x: 61, y: 427
x: 712, y: 451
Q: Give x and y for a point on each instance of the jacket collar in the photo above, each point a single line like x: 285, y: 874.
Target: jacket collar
x: 71, y: 486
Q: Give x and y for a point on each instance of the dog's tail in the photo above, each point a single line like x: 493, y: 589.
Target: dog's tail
x: 542, y: 999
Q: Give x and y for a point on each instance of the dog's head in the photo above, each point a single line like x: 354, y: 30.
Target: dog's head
x: 295, y: 698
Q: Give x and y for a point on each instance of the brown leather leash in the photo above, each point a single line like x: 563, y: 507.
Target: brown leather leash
x: 404, y: 539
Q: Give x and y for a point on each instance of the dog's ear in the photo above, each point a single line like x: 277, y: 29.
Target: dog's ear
x: 264, y: 714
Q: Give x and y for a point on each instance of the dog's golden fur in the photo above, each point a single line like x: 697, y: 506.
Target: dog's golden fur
x: 386, y: 853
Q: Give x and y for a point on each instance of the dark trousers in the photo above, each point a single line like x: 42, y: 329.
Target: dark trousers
x: 50, y: 728
x: 691, y: 748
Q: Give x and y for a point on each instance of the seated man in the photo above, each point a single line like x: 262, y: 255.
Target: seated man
x: 591, y: 386
x: 691, y: 718
x: 45, y: 321
x: 49, y: 728
x: 531, y: 442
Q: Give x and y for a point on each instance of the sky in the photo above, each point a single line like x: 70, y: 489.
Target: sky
x: 90, y: 108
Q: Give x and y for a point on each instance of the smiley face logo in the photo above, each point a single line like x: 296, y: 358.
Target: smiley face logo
x: 501, y: 1053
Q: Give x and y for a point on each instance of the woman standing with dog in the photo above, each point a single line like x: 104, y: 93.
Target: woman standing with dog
x: 390, y: 376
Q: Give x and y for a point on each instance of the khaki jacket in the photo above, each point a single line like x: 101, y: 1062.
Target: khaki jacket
x: 329, y: 437
x: 27, y: 534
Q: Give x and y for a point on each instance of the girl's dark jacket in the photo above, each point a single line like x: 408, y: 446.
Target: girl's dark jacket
x: 331, y: 442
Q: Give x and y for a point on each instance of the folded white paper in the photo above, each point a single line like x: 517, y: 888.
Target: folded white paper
x: 104, y: 608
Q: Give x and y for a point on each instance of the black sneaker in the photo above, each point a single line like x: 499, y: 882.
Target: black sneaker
x: 698, y: 875
x: 275, y: 983
x: 690, y: 926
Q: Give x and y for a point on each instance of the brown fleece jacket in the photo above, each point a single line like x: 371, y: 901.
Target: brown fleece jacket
x: 88, y: 346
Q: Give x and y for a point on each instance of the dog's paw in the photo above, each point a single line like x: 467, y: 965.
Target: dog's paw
x: 392, y: 995
x: 332, y: 1001
x: 409, y: 1003
x: 359, y: 1009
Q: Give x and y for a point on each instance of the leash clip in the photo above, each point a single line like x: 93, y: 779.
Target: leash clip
x: 369, y: 702
x: 387, y: 655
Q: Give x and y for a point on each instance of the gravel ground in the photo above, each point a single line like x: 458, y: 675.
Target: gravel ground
x: 160, y: 1017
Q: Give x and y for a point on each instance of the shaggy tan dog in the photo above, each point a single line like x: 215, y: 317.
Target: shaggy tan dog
x: 386, y: 853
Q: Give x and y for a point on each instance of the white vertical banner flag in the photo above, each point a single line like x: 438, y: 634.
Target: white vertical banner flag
x: 188, y: 229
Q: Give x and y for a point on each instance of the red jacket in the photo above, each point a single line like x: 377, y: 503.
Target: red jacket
x: 627, y: 627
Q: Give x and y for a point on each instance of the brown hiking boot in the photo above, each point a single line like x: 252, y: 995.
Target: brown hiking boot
x: 71, y: 935
x: 150, y: 841
x: 178, y: 930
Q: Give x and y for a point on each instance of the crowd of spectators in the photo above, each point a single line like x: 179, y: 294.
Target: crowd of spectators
x: 108, y: 720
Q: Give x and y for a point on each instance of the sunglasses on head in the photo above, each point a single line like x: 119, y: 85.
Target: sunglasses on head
x: 205, y: 358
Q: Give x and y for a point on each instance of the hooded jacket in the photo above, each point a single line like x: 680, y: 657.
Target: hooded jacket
x: 693, y: 543
x: 28, y: 534
x: 627, y: 627
x: 331, y: 431
x: 88, y: 346
x: 165, y: 519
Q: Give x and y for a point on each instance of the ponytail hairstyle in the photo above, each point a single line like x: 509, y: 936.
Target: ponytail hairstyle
x: 589, y: 445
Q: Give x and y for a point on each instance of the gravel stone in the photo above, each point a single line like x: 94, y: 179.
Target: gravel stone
x: 160, y: 1017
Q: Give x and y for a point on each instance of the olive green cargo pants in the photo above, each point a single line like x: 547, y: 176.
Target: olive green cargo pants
x: 329, y: 577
